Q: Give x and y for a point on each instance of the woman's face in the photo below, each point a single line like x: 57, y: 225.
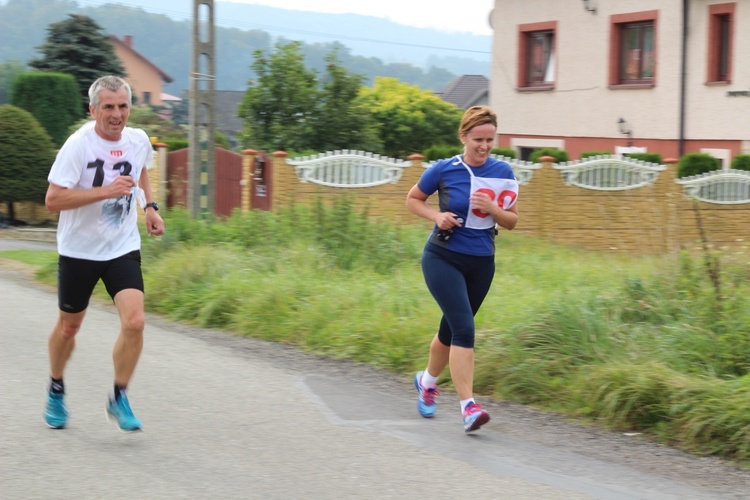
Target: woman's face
x: 478, y: 143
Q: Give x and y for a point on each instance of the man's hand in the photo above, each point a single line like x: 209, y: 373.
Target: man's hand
x: 120, y: 186
x: 154, y: 223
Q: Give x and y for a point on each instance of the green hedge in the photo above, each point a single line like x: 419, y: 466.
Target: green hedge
x: 696, y: 164
x: 741, y: 162
x: 506, y: 152
x: 647, y: 157
x: 589, y: 154
x: 52, y: 98
x: 558, y: 154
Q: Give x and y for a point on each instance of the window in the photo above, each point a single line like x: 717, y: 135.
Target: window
x: 536, y: 58
x: 633, y: 49
x: 720, y: 29
x: 540, y: 67
x: 637, y: 53
x: 147, y: 97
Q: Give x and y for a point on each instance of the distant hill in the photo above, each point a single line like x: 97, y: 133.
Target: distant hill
x: 365, y: 35
x: 161, y: 32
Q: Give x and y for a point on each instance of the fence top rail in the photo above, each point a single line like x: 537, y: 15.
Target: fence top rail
x: 523, y: 170
x: 742, y: 176
x: 722, y: 187
x: 345, y: 154
x: 609, y: 173
x: 349, y: 169
x: 515, y: 164
x: 610, y: 160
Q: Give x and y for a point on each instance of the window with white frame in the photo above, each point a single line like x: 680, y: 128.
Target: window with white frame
x: 536, y: 56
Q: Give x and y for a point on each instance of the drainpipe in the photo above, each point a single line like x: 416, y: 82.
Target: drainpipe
x: 683, y: 77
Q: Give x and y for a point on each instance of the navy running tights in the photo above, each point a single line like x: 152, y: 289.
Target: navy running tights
x: 459, y: 283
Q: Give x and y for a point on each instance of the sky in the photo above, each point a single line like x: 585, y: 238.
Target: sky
x: 467, y: 16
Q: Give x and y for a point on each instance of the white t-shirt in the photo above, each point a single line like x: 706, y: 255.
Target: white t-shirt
x: 106, y: 229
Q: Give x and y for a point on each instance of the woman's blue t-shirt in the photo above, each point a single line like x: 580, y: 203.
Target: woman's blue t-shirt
x: 452, y: 182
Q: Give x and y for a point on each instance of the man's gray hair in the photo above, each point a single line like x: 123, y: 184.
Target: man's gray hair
x: 109, y: 82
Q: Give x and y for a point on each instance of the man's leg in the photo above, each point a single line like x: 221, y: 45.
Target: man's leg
x: 60, y: 345
x: 62, y: 341
x: 129, y: 343
x: 125, y: 356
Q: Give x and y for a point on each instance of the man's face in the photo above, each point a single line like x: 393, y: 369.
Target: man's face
x: 111, y: 114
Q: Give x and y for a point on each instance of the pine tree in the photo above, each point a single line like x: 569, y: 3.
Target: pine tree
x: 79, y: 47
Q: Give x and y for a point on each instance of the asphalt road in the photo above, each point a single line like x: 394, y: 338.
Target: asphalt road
x: 227, y: 417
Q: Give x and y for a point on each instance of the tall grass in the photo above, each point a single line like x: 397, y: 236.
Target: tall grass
x: 635, y: 343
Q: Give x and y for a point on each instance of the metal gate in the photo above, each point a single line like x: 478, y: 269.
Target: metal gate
x: 227, y: 188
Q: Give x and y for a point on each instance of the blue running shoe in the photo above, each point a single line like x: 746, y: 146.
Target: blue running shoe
x: 475, y: 417
x: 56, y: 414
x: 120, y: 412
x: 426, y: 401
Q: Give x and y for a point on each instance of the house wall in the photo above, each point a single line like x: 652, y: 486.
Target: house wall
x: 583, y: 109
x: 142, y: 78
x: 712, y: 113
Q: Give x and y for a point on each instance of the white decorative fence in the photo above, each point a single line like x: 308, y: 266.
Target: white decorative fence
x: 609, y: 173
x: 349, y: 169
x: 602, y: 203
x: 724, y: 187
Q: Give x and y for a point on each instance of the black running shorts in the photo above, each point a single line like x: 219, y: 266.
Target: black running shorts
x: 76, y: 279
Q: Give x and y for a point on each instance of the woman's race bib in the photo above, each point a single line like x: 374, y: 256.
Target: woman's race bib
x: 504, y: 192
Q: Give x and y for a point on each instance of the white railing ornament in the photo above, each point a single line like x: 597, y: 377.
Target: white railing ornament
x: 349, y: 169
x: 609, y: 173
x: 724, y: 187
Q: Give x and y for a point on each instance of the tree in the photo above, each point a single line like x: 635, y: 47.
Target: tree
x: 78, y: 46
x: 51, y: 97
x: 410, y: 119
x: 290, y: 108
x: 28, y: 154
x: 340, y: 120
x: 277, y: 106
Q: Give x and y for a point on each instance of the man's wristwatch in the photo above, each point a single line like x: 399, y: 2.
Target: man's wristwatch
x: 152, y: 204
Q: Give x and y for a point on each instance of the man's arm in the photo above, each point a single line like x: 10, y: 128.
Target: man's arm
x: 61, y: 198
x: 154, y: 222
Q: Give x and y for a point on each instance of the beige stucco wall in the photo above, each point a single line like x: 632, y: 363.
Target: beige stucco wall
x: 583, y: 105
x: 712, y: 114
x: 141, y: 76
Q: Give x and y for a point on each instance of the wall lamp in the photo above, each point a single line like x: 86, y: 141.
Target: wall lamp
x: 588, y: 7
x: 625, y: 129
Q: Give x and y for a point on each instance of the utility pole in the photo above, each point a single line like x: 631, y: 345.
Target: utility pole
x: 202, y: 95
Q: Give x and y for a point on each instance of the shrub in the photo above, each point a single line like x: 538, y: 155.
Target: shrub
x: 506, y: 152
x: 558, y: 154
x: 27, y: 155
x: 588, y: 154
x: 440, y: 152
x: 741, y: 162
x: 52, y: 98
x: 647, y: 157
x: 175, y: 144
x: 696, y: 164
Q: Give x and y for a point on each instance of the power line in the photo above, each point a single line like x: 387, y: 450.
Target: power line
x: 282, y: 29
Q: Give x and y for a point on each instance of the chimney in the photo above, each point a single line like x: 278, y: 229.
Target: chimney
x: 129, y: 41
